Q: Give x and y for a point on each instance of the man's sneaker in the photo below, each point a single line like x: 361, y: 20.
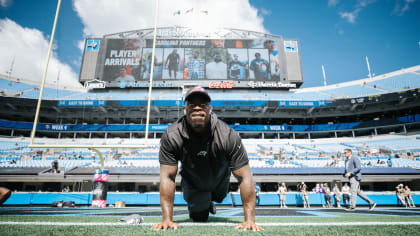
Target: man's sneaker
x: 350, y: 209
x: 372, y: 206
x: 212, y: 208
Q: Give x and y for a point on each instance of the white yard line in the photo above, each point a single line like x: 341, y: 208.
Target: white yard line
x: 212, y: 224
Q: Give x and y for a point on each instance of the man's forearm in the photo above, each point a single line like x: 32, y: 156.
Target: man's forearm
x: 248, y: 200
x: 167, y: 192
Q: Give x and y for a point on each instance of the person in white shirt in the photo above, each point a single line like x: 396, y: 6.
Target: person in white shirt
x: 216, y: 69
x: 124, y: 76
x: 282, y: 192
x: 346, y: 194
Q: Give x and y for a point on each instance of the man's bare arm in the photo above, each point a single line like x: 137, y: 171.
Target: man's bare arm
x: 167, y: 192
x: 4, y: 194
x: 246, y: 186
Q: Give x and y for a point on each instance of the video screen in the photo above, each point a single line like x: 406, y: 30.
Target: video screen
x: 131, y: 60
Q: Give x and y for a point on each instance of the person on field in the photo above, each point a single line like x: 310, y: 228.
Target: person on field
x: 337, y: 195
x: 303, y: 189
x: 209, y: 151
x: 408, y: 197
x: 257, y: 193
x: 346, y: 194
x: 327, y: 193
x: 282, y: 193
x: 400, y: 191
x: 353, y: 172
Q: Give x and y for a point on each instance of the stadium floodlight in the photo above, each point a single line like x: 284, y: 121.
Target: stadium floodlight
x: 325, y: 77
x: 368, y: 66
x: 90, y: 147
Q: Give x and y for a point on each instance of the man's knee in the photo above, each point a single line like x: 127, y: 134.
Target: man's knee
x: 197, y: 201
x: 201, y: 216
x: 218, y: 197
x: 199, y: 210
x: 221, y: 192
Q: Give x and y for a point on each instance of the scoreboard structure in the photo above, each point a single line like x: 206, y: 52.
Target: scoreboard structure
x: 226, y: 58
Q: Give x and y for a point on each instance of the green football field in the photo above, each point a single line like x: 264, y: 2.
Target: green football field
x: 291, y: 221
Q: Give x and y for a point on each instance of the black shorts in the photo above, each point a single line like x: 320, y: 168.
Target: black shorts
x: 173, y: 67
x: 200, y: 200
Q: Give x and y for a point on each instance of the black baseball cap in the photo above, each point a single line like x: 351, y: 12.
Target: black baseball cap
x: 197, y: 91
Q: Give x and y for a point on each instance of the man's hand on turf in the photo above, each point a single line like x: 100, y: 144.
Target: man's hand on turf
x: 249, y: 225
x: 165, y: 225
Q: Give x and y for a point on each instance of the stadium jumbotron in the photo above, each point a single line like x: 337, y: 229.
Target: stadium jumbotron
x: 291, y: 134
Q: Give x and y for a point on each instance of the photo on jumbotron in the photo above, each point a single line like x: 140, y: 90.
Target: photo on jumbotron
x: 91, y: 158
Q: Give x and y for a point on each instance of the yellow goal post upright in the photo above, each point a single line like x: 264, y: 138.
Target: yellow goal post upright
x: 90, y: 147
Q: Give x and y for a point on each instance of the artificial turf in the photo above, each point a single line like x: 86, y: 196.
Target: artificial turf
x: 120, y: 230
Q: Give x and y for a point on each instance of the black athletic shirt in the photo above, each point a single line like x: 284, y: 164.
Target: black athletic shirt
x: 206, y: 161
x: 173, y: 59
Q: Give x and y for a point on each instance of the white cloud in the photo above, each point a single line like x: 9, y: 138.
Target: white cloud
x: 364, y: 3
x: 400, y: 9
x: 351, y: 16
x: 29, y: 48
x: 265, y: 12
x: 5, y: 3
x: 332, y: 3
x: 80, y: 45
x: 103, y: 17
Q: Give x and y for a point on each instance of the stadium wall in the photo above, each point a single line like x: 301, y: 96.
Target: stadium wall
x: 267, y: 199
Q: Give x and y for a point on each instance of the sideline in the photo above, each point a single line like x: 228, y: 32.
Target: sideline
x: 211, y: 224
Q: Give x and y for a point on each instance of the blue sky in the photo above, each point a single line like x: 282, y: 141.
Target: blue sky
x: 335, y: 33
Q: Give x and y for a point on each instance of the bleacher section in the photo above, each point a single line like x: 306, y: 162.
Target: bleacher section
x: 398, y: 82
x: 396, y: 145
x: 263, y: 153
x: 351, y: 91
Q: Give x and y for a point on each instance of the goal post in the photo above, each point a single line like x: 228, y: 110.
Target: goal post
x: 101, y: 176
x: 90, y: 147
